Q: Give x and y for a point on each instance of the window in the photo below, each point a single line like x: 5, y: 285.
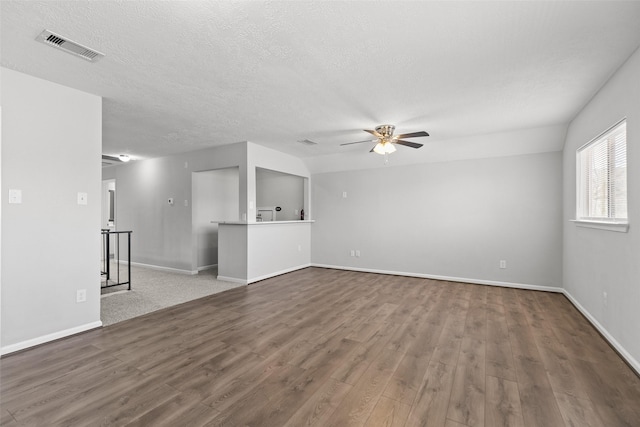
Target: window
x: 602, y: 177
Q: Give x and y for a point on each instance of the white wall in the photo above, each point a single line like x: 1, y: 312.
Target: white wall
x: 215, y: 198
x: 450, y: 219
x: 277, y: 248
x: 597, y: 261
x: 51, y: 147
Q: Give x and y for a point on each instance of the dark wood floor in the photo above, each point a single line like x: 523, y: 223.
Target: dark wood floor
x: 332, y: 348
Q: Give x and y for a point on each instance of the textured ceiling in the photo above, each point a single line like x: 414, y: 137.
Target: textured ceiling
x: 180, y: 76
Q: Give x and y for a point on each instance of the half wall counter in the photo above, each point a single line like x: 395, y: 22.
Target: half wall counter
x: 250, y: 252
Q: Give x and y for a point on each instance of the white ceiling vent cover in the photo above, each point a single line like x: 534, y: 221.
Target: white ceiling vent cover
x: 52, y: 39
x: 307, y: 142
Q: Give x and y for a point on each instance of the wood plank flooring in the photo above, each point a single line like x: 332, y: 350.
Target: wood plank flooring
x: 321, y: 347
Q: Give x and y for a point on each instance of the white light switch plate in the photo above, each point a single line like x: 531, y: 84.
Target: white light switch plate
x: 15, y: 196
x: 82, y: 198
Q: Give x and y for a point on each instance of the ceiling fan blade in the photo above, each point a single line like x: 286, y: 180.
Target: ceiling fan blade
x: 371, y: 151
x: 413, y: 134
x: 357, y: 142
x: 408, y: 143
x: 373, y: 132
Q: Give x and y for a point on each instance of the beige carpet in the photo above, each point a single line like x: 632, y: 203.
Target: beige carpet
x: 153, y: 290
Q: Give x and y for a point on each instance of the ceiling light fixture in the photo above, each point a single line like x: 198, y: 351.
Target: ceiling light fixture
x: 124, y: 158
x: 384, y: 147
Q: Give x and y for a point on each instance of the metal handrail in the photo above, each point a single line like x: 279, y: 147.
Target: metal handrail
x: 106, y: 265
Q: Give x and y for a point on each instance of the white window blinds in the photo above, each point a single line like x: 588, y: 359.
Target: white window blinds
x: 602, y: 177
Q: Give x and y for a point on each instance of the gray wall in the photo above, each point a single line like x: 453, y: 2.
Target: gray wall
x: 451, y: 219
x: 51, y: 144
x: 259, y: 157
x: 280, y: 189
x: 597, y: 261
x: 215, y: 198
x: 162, y: 233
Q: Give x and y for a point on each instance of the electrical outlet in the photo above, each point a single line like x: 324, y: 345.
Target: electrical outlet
x: 186, y: 203
x: 358, y: 252
x: 503, y: 263
x: 604, y: 298
x: 344, y: 194
x: 299, y: 248
x: 353, y: 253
x: 81, y: 295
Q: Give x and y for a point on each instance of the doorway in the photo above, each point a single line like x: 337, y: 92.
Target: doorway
x: 108, y: 216
x: 215, y: 198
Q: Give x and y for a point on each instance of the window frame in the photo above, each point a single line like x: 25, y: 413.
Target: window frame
x: 604, y: 223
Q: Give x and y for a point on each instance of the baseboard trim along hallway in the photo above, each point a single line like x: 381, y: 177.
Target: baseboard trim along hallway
x: 446, y: 278
x: 12, y: 348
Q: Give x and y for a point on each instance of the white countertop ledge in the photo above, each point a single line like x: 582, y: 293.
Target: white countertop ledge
x: 306, y: 221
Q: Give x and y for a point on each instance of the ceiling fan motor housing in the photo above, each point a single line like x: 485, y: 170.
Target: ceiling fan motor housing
x: 385, y: 130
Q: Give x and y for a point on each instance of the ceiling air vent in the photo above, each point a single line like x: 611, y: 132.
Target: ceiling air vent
x: 307, y: 142
x: 55, y: 40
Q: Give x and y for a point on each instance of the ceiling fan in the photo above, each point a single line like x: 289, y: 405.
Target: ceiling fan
x: 113, y: 160
x: 386, y: 140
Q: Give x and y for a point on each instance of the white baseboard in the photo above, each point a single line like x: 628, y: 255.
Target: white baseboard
x: 278, y: 273
x: 207, y: 267
x: 447, y: 278
x: 50, y: 337
x: 233, y: 280
x: 263, y: 277
x: 161, y: 268
x: 635, y: 365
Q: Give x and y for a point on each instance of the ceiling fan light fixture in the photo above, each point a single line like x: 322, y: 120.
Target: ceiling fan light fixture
x: 389, y: 148
x: 387, y: 140
x: 384, y: 147
x: 124, y: 158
